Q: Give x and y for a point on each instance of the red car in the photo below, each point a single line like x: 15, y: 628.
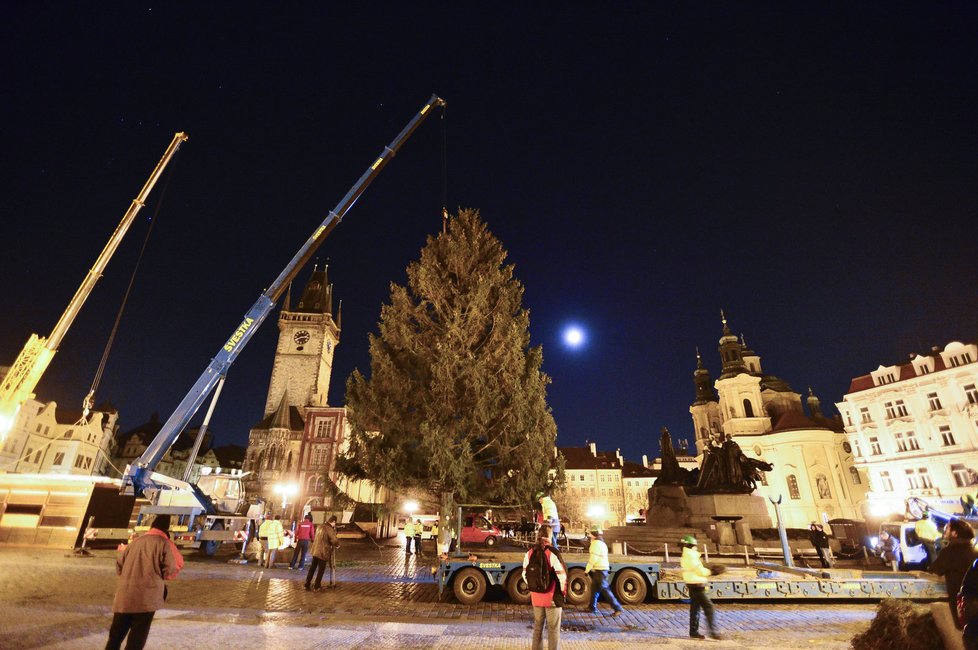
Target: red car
x: 479, y: 530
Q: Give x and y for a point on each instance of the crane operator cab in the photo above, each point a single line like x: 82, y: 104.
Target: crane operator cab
x: 226, y: 491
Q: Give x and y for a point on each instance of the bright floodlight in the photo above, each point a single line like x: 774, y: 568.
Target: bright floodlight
x: 286, y: 489
x: 410, y: 507
x: 596, y: 511
x: 574, y: 336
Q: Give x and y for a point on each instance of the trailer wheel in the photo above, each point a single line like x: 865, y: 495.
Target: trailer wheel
x: 210, y: 547
x: 578, y: 587
x: 469, y: 586
x: 630, y: 587
x: 516, y: 587
x: 490, y: 541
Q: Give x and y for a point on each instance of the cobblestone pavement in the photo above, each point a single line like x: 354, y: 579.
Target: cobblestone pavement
x: 49, y: 599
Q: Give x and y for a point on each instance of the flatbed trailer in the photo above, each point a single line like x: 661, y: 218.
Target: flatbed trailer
x: 634, y: 578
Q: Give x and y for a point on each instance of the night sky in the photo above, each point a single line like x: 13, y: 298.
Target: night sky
x: 810, y: 168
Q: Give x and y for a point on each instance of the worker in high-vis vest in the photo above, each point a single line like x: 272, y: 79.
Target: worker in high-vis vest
x: 550, y: 516
x: 408, y: 535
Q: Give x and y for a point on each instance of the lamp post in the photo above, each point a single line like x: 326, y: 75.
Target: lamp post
x: 286, y: 490
x: 785, y: 549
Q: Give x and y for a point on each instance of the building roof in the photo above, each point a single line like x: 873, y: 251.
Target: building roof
x: 637, y: 470
x: 582, y: 458
x: 904, y: 370
x: 296, y: 423
x: 792, y: 420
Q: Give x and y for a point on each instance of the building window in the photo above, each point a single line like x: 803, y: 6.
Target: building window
x: 964, y: 476
x: 69, y: 433
x: 901, y: 408
x: 912, y: 482
x: 59, y: 458
x: 320, y: 454
x: 912, y: 443
x: 79, y: 461
x: 37, y: 457
x: 874, y: 446
x: 946, y: 436
x: 864, y: 415
x: 856, y: 450
x: 924, y: 476
x: 582, y: 477
x: 27, y: 456
x: 748, y: 409
x: 971, y: 393
x: 886, y: 482
x: 854, y: 475
x: 901, y: 444
x: 934, y: 401
x: 793, y: 487
x: 324, y: 428
x: 890, y: 411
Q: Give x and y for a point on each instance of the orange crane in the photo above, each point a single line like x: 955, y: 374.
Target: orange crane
x: 18, y: 385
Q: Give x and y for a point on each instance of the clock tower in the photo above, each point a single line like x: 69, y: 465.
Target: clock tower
x: 308, y: 336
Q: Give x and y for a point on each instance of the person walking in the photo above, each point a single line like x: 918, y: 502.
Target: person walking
x: 408, y: 535
x: 303, y: 537
x: 548, y: 511
x: 418, y: 535
x: 142, y: 567
x: 266, y: 525
x: 275, y: 539
x: 597, y: 567
x: 695, y: 575
x: 821, y: 543
x: 546, y: 577
x: 954, y: 560
x: 323, y: 554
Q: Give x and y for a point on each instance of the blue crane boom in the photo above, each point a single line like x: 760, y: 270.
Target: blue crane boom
x: 139, y: 476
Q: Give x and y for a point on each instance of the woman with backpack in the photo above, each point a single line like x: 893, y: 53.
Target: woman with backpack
x: 546, y: 578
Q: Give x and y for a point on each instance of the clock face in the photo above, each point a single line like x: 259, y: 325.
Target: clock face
x: 301, y: 337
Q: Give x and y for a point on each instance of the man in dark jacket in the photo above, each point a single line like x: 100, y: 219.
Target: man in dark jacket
x: 955, y: 559
x: 142, y: 566
x: 821, y: 543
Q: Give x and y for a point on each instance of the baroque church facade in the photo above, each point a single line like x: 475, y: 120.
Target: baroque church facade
x: 815, y: 473
x: 297, y: 441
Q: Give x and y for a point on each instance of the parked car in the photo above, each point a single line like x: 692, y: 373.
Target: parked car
x: 477, y: 529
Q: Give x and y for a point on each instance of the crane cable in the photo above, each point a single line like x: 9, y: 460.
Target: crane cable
x: 89, y: 401
x: 444, y: 170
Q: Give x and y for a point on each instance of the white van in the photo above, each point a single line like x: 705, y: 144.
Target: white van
x: 913, y: 555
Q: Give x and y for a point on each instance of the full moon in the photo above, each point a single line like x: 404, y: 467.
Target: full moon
x: 573, y: 336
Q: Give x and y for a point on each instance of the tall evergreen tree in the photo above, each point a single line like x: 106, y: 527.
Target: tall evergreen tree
x: 456, y: 400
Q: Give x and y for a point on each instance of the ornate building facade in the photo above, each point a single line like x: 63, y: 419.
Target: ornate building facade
x: 913, y: 429
x: 814, y: 473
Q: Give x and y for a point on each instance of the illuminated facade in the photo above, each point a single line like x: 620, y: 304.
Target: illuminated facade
x: 593, y: 491
x: 913, y: 428
x: 815, y: 473
x: 49, y: 440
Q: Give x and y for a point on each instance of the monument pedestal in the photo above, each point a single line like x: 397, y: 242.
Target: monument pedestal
x: 668, y: 507
x: 751, y: 507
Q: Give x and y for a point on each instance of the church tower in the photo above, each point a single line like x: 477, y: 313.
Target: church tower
x: 308, y: 336
x: 706, y: 409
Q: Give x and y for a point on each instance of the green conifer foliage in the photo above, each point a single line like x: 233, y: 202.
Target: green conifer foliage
x: 456, y: 399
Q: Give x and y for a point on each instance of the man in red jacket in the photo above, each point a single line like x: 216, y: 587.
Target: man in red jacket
x: 303, y: 537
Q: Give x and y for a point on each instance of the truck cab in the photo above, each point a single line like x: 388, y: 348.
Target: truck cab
x: 912, y: 552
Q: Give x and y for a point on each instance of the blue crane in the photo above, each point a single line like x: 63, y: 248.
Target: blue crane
x: 140, y: 477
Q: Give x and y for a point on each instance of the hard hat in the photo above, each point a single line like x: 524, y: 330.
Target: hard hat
x: 596, y: 531
x: 688, y: 539
x: 539, y: 495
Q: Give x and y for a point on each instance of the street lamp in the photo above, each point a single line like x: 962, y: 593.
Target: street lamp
x: 286, y: 490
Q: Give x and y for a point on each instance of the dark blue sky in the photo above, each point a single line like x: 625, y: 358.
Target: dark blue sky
x: 811, y: 169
